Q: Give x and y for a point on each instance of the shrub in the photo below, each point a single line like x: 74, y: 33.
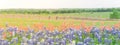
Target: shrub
x: 115, y: 14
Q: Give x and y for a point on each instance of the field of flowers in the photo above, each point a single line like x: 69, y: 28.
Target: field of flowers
x: 67, y: 36
x: 40, y: 31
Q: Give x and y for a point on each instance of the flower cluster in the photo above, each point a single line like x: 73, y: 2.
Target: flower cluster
x: 96, y: 36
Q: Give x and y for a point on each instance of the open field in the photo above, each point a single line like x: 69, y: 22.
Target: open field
x: 82, y: 15
x: 63, y: 19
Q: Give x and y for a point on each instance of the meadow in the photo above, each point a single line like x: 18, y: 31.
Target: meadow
x: 86, y: 28
x: 30, y: 19
x: 63, y: 19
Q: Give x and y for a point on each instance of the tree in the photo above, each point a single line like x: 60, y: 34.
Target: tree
x: 115, y: 14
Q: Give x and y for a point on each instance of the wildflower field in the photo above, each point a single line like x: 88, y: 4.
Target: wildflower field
x: 59, y: 29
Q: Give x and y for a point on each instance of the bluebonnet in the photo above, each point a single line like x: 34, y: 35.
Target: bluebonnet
x: 99, y: 39
x: 119, y: 34
x: 107, y: 41
x: 1, y: 31
x: 95, y: 30
x: 14, y: 40
x: 63, y: 42
x: 5, y: 42
x: 30, y: 42
x: 105, y: 35
x: 46, y: 37
x: 80, y: 43
x: 114, y: 31
x: 88, y: 39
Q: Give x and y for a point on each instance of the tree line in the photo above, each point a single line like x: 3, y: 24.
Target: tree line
x: 54, y: 11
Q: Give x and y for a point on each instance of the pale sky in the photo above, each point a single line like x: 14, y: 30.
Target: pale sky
x: 39, y: 4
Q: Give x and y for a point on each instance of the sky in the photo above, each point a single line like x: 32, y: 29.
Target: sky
x: 55, y: 4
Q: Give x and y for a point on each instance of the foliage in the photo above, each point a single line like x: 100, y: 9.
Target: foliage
x: 115, y: 14
x: 54, y: 11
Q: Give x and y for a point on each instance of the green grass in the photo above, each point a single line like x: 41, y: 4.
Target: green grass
x: 84, y: 14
